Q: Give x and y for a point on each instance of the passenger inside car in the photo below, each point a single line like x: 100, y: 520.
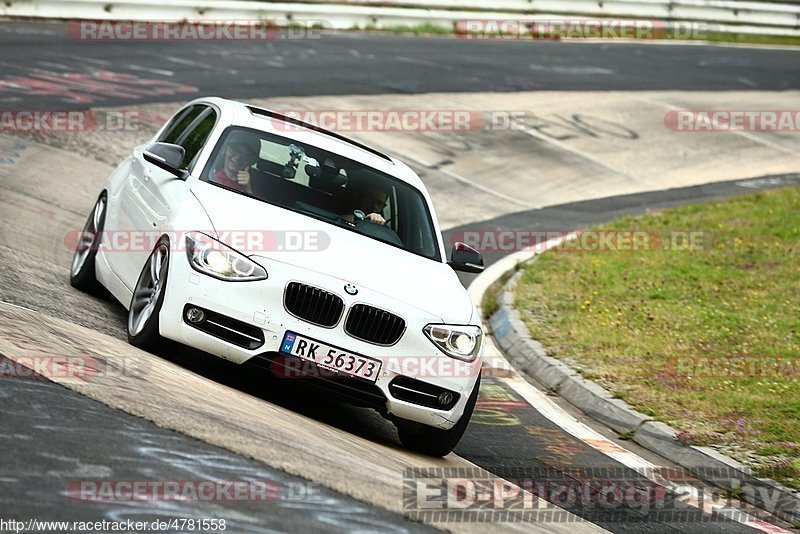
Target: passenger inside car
x: 233, y: 164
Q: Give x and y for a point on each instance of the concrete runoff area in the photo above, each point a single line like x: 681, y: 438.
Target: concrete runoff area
x: 533, y: 149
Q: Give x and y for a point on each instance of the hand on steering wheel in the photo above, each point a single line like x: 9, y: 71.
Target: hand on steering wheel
x: 377, y: 218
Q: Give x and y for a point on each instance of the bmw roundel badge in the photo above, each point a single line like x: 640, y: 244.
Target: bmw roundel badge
x: 350, y: 289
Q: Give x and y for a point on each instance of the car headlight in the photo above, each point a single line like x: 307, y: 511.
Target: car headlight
x: 213, y: 258
x: 460, y: 342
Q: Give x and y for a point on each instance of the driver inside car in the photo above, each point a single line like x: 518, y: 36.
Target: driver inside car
x: 370, y: 201
x: 240, y: 153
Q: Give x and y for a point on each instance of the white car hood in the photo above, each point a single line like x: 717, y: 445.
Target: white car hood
x: 427, y: 285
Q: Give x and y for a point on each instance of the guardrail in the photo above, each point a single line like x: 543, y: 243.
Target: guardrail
x: 733, y: 16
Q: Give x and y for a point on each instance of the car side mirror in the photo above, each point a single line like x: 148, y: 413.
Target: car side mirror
x: 168, y: 157
x: 465, y: 258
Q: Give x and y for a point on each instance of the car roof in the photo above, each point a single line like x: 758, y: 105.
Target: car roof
x: 236, y: 113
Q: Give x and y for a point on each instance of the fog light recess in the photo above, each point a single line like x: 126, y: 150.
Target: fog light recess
x: 416, y: 391
x: 195, y: 315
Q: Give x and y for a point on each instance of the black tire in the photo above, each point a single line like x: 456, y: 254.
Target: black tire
x: 148, y: 297
x: 82, y: 274
x: 434, y: 441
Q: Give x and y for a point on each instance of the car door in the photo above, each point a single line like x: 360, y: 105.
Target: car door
x: 150, y: 194
x: 161, y: 190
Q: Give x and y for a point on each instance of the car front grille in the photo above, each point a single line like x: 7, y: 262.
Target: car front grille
x: 374, y: 325
x: 313, y: 304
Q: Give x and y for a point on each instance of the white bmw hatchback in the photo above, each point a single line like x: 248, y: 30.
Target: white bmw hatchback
x: 258, y: 238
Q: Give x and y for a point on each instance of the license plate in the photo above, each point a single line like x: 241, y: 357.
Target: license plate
x: 330, y: 357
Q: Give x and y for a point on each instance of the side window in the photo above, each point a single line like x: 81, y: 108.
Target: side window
x: 196, y: 135
x: 179, y: 124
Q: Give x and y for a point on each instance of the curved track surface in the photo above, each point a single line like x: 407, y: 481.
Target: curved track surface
x: 510, y: 178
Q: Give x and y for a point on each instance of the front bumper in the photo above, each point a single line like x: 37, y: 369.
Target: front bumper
x: 259, y: 306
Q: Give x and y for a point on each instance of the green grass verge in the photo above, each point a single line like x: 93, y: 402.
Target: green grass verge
x: 744, y: 38
x: 418, y: 29
x: 491, y: 299
x: 631, y: 321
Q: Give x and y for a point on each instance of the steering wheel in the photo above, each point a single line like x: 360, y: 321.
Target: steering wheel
x: 378, y: 231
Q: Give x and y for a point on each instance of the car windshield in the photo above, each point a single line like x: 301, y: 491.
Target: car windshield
x: 323, y: 185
